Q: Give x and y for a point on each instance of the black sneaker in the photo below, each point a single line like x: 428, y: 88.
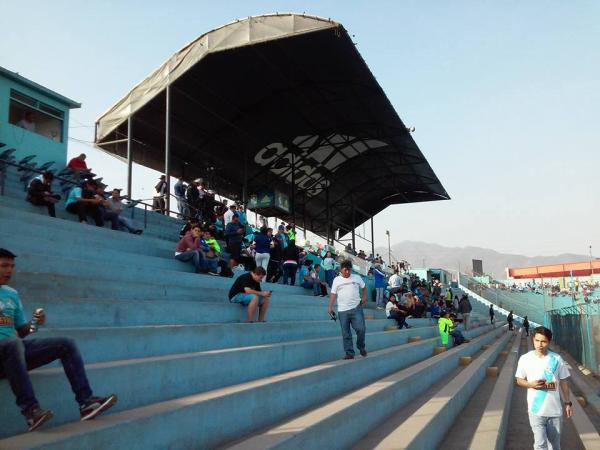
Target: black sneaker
x: 37, y: 417
x: 95, y: 406
x: 363, y: 353
x: 349, y: 357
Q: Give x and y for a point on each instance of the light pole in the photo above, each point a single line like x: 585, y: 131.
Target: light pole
x: 591, y: 265
x: 389, y: 248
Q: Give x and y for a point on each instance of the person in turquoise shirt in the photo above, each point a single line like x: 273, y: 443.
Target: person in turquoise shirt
x: 18, y: 356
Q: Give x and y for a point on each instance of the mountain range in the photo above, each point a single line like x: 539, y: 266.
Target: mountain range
x: 424, y: 254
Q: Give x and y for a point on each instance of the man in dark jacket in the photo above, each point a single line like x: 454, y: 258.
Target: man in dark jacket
x: 234, y: 232
x: 464, y: 308
x: 40, y: 192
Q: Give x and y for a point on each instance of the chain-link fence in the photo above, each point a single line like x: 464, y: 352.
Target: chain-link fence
x: 577, y: 330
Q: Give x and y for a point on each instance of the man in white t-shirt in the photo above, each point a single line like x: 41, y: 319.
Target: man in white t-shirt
x: 346, y: 289
x: 544, y: 374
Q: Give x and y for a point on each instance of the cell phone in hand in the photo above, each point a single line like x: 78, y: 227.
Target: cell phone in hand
x: 333, y: 315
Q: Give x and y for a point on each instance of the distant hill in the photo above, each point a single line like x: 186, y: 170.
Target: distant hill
x: 451, y: 258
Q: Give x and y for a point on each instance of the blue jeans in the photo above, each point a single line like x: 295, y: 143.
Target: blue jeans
x: 546, y: 430
x: 17, y: 356
x: 126, y: 223
x: 329, y: 277
x: 355, y: 318
x: 196, y: 256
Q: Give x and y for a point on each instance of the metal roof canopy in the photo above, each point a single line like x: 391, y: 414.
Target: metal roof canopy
x: 275, y: 101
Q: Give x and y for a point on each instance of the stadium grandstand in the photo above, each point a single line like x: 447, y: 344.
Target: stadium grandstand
x: 280, y: 114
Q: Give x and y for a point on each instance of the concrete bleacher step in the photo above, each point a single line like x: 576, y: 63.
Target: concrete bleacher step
x: 74, y: 234
x: 68, y: 313
x: 338, y: 424
x: 198, y: 418
x: 46, y: 286
x: 20, y: 209
x: 492, y: 425
x: 100, y: 344
x: 14, y: 188
x: 177, y: 375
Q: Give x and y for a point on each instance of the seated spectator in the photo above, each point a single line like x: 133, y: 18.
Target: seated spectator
x: 212, y: 256
x: 418, y: 309
x: 319, y: 287
x: 397, y: 312
x: 116, y: 207
x: 188, y: 226
x: 246, y: 291
x: 305, y: 275
x: 79, y: 168
x: 234, y: 232
x: 83, y: 202
x: 262, y: 243
x: 18, y: 356
x: 189, y: 249
x: 291, y: 256
x: 457, y: 336
x: 104, y: 208
x: 40, y: 193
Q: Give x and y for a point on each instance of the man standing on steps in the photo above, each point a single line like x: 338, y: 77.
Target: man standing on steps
x: 544, y: 374
x: 346, y: 289
x: 17, y: 356
x: 464, y: 308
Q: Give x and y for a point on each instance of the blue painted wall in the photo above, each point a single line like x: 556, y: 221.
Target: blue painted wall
x: 27, y: 142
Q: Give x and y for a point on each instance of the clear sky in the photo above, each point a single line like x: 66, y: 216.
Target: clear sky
x: 505, y: 98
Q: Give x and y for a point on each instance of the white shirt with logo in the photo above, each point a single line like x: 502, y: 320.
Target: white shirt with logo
x: 347, y: 291
x: 551, y: 368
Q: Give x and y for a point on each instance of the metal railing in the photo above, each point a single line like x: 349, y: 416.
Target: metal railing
x: 66, y: 185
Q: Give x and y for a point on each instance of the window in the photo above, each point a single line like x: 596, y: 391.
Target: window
x: 28, y: 113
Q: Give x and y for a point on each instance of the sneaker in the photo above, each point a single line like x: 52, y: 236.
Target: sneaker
x: 349, y: 357
x: 210, y: 272
x: 138, y: 231
x: 95, y: 406
x: 37, y: 417
x: 363, y: 353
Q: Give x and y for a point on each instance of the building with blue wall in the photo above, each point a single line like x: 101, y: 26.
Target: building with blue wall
x: 33, y: 119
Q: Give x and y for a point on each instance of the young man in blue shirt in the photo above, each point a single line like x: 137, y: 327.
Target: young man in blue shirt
x: 17, y: 356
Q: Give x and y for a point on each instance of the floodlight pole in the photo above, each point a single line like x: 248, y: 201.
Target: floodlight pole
x: 129, y: 158
x: 168, y: 146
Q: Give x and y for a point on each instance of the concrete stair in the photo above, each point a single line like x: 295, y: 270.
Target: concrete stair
x: 190, y: 374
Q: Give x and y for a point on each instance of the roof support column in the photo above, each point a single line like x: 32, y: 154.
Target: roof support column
x: 293, y: 199
x: 304, y: 214
x: 168, y: 146
x: 372, y: 238
x: 328, y: 212
x: 129, y: 158
x: 353, y: 225
x: 245, y: 184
